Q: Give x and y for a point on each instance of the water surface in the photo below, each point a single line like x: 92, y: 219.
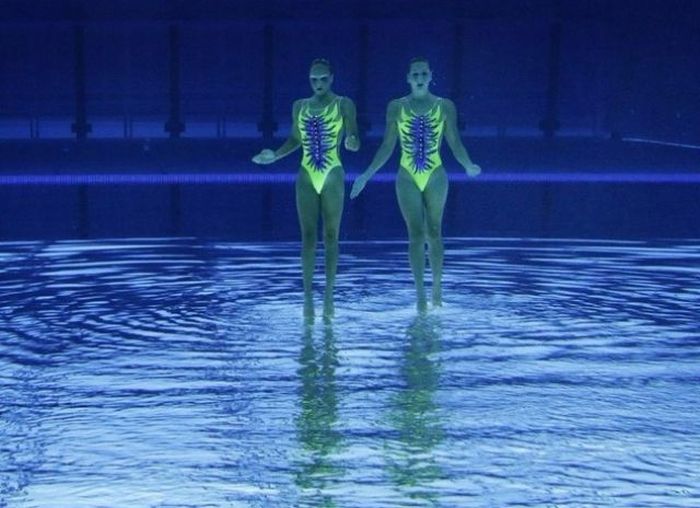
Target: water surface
x: 179, y: 372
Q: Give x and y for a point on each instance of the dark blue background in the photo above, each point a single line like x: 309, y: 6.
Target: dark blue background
x: 625, y: 65
x: 626, y: 69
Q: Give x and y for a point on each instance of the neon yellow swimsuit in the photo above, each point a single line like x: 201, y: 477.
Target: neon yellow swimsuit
x: 320, y: 133
x: 420, y: 137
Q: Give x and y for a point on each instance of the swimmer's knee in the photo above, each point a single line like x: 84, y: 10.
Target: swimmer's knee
x: 308, y: 237
x: 330, y: 235
x: 433, y: 232
x: 416, y: 234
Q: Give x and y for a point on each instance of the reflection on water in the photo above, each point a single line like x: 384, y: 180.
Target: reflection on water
x: 317, y: 421
x: 414, y: 413
x: 180, y: 373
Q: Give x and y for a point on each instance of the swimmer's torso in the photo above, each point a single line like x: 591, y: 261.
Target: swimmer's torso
x: 420, y: 136
x: 320, y: 132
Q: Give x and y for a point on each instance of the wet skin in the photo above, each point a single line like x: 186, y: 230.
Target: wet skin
x: 328, y: 205
x: 422, y: 211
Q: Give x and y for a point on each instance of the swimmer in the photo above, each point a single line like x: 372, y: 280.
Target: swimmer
x: 318, y: 124
x: 419, y: 121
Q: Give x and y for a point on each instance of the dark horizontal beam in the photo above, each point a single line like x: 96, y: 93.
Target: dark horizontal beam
x: 213, y: 10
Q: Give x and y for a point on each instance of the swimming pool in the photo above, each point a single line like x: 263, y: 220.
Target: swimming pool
x: 173, y: 372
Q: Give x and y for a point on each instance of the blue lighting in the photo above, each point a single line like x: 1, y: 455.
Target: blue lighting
x: 276, y: 178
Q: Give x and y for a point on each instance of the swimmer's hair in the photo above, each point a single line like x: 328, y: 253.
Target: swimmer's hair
x: 322, y: 61
x: 419, y: 59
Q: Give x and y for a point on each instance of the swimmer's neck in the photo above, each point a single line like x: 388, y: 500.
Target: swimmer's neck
x: 422, y: 98
x: 323, y: 100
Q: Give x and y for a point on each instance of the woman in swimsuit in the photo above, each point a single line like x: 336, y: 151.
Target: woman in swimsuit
x: 419, y: 121
x: 318, y: 124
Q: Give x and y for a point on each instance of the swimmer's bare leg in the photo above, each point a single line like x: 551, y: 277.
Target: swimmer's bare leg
x: 332, y: 197
x: 411, y: 204
x: 308, y: 206
x: 435, y: 196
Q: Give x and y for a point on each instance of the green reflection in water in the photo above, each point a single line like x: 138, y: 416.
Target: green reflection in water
x: 415, y: 415
x: 316, y: 422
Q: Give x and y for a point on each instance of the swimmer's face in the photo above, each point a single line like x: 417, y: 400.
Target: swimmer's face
x: 419, y: 77
x: 320, y: 79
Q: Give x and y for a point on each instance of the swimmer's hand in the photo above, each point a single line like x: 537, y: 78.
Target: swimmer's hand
x: 352, y: 143
x: 359, y: 184
x: 472, y: 169
x: 265, y: 156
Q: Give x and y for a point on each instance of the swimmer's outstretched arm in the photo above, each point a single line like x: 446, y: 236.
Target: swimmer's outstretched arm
x: 267, y: 156
x: 455, y: 142
x: 383, y: 152
x: 352, y: 140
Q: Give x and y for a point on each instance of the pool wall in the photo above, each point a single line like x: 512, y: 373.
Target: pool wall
x: 575, y: 188
x: 267, y: 212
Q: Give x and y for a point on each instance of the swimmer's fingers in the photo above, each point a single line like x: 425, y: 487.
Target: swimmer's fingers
x: 357, y: 187
x: 266, y: 156
x: 352, y: 144
x: 473, y: 170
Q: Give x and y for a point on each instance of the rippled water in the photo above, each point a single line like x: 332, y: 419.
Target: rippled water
x: 175, y: 372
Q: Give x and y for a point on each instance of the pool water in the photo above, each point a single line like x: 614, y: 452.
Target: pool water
x: 175, y: 372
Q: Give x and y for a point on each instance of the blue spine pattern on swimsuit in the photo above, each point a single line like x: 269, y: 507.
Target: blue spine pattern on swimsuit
x: 320, y: 133
x: 420, y: 134
x: 318, y: 142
